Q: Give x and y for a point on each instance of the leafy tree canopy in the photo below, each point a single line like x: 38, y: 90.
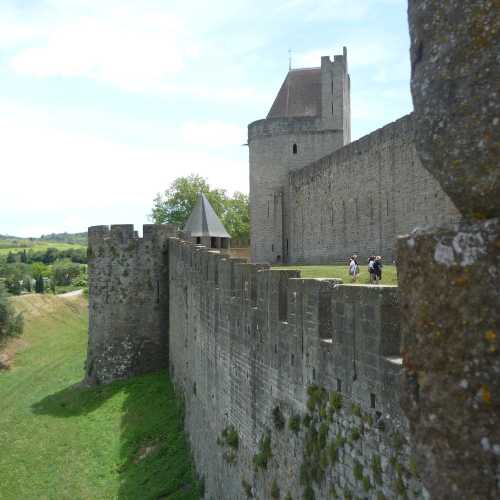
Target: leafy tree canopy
x: 10, y: 322
x: 177, y: 203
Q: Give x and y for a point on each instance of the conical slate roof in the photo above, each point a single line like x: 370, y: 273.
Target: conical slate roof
x: 203, y: 220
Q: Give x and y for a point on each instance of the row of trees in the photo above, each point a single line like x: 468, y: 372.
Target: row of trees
x: 19, y: 277
x: 48, y: 256
x: 176, y: 204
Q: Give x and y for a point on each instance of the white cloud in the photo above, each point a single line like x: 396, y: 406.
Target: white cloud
x: 46, y: 168
x: 329, y: 10
x: 132, y: 48
x: 213, y: 134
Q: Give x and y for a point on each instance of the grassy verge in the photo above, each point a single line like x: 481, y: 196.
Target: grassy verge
x: 389, y: 275
x: 61, y: 441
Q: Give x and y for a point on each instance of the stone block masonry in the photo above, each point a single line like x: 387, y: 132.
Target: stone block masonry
x: 291, y: 385
x: 128, y: 301
x: 358, y: 199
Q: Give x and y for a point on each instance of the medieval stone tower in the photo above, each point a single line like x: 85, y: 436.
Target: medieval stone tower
x: 128, y: 301
x: 310, y: 118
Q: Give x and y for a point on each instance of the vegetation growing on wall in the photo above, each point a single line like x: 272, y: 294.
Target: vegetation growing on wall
x: 264, y: 454
x: 324, y: 448
x: 229, y: 439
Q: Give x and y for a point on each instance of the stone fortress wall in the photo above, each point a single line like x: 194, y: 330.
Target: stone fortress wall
x: 317, y: 198
x: 271, y: 146
x: 306, y: 371
x: 128, y: 301
x: 360, y: 198
x: 251, y: 347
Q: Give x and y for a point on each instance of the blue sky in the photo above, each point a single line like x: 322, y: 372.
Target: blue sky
x: 103, y: 103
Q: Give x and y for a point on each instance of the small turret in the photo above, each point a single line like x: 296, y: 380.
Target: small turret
x: 205, y: 227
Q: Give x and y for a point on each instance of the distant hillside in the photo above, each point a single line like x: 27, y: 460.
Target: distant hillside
x: 8, y: 237
x: 79, y: 238
x: 69, y: 238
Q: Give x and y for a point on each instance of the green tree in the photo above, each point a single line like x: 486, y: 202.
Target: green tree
x: 11, y: 258
x: 10, y: 322
x: 236, y: 218
x: 40, y: 270
x: 13, y: 278
x: 178, y: 201
x: 64, y: 271
x: 27, y: 283
x: 39, y: 285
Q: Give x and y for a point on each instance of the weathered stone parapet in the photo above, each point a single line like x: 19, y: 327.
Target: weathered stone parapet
x: 246, y: 340
x: 455, y: 47
x: 450, y: 276
x: 450, y: 302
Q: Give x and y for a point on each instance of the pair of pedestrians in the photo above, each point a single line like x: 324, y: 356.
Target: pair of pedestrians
x: 375, y: 268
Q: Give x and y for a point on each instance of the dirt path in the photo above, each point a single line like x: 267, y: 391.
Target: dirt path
x: 74, y: 293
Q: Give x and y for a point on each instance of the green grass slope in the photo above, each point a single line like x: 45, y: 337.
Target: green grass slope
x: 389, y: 275
x: 15, y: 246
x: 61, y: 441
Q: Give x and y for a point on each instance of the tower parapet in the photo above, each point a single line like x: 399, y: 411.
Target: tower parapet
x: 128, y: 301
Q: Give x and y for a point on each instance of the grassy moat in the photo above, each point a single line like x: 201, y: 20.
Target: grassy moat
x: 60, y: 441
x: 389, y: 274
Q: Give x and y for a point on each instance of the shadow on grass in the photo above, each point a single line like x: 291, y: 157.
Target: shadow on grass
x: 155, y: 461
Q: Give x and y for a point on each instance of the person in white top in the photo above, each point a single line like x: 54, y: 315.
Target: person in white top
x: 353, y: 268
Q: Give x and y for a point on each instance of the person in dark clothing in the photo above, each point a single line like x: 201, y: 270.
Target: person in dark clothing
x: 377, y: 268
x: 371, y: 261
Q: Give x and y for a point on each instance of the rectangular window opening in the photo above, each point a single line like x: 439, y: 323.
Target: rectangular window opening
x: 339, y: 385
x: 372, y: 400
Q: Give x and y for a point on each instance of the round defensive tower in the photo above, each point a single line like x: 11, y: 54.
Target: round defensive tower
x: 309, y: 119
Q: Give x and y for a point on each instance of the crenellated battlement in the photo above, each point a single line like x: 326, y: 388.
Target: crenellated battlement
x: 128, y: 301
x: 124, y: 233
x: 355, y: 327
x: 246, y: 339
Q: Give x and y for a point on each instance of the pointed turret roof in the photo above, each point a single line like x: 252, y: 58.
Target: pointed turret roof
x: 203, y: 220
x: 300, y: 94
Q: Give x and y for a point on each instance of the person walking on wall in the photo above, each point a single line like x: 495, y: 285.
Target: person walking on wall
x: 377, y: 269
x: 371, y: 272
x: 354, y: 268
